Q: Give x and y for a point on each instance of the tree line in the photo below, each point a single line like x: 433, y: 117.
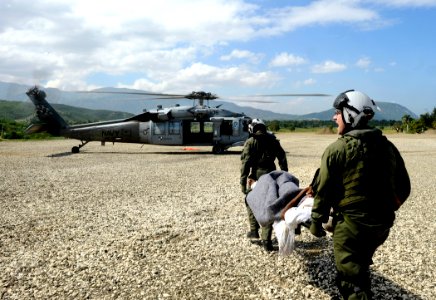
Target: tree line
x: 407, y: 124
x: 424, y: 122
x: 11, y: 129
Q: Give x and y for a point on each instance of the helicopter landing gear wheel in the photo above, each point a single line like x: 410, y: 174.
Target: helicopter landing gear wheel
x: 76, y: 149
x: 218, y: 149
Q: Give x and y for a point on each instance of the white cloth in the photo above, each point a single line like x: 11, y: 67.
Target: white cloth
x: 299, y: 214
x: 285, y: 229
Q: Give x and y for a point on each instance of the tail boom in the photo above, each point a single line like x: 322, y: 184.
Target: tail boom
x: 50, y: 120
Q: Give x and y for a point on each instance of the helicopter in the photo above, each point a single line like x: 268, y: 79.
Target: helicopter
x: 197, y: 125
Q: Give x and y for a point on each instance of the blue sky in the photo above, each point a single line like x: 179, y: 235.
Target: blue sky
x: 385, y: 48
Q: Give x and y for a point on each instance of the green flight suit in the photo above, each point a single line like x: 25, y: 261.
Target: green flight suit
x: 258, y: 158
x: 364, y: 179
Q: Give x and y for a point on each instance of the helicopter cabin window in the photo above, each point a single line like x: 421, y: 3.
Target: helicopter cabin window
x: 195, y: 127
x: 159, y: 128
x: 208, y: 127
x: 174, y: 128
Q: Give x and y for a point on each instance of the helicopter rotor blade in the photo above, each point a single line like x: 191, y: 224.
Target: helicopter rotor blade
x: 159, y: 98
x: 133, y: 93
x: 236, y: 99
x: 201, y: 96
x: 192, y: 96
x: 249, y: 100
x: 292, y: 95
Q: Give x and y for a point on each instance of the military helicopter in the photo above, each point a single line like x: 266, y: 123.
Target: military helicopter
x: 195, y: 125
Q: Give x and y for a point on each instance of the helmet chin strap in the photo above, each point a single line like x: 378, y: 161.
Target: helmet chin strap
x: 360, y: 120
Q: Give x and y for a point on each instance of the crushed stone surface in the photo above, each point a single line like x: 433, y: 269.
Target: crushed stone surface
x: 129, y: 221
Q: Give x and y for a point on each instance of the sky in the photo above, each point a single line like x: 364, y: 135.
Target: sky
x: 235, y: 49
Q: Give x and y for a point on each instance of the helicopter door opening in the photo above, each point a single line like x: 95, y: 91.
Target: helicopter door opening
x: 226, y: 127
x: 197, y: 132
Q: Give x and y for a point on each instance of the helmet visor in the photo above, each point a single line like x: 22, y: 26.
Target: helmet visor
x: 341, y: 100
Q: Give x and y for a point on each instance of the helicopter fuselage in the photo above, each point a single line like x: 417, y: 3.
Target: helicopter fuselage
x: 196, y: 125
x: 227, y: 131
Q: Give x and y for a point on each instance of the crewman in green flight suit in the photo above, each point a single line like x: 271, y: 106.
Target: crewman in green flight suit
x: 258, y: 158
x: 364, y: 179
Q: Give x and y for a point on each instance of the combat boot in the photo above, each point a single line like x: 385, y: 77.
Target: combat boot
x: 253, y: 234
x: 297, y: 230
x: 267, y: 245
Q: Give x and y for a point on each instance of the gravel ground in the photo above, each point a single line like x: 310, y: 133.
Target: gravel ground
x: 127, y: 221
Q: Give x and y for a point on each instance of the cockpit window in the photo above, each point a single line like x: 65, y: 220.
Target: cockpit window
x: 208, y: 127
x: 195, y: 127
x: 159, y: 128
x: 174, y: 128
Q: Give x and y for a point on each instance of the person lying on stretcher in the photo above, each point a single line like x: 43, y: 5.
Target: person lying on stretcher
x: 275, y: 198
x: 304, y: 199
x: 277, y: 192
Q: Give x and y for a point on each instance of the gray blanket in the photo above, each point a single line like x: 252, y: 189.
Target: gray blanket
x: 271, y: 194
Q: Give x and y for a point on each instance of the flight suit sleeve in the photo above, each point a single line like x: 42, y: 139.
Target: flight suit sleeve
x: 245, y: 163
x: 401, y: 181
x: 329, y: 185
x: 281, y: 157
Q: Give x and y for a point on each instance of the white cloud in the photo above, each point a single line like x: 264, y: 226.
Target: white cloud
x: 309, y: 81
x: 165, y: 44
x: 328, y: 66
x: 379, y: 70
x: 363, y: 62
x: 63, y: 42
x: 79, y: 38
x: 318, y: 12
x: 201, y: 76
x: 286, y: 59
x: 306, y: 82
x: 171, y: 17
x: 407, y: 3
x: 242, y: 54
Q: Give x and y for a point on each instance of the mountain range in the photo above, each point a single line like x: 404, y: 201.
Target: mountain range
x: 132, y: 104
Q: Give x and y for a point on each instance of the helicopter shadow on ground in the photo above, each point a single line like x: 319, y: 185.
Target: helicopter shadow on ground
x: 319, y: 260
x: 148, y: 153
x: 61, y: 154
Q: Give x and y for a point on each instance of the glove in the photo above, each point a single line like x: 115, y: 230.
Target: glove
x: 316, y: 229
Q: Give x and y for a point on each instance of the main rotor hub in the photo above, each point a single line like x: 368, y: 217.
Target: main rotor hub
x: 201, y: 96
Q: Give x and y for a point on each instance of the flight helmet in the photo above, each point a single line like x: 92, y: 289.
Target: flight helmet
x: 256, y: 125
x: 356, y: 108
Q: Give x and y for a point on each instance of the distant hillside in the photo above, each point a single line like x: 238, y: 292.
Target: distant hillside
x: 134, y: 104
x: 388, y: 111
x: 23, y: 111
